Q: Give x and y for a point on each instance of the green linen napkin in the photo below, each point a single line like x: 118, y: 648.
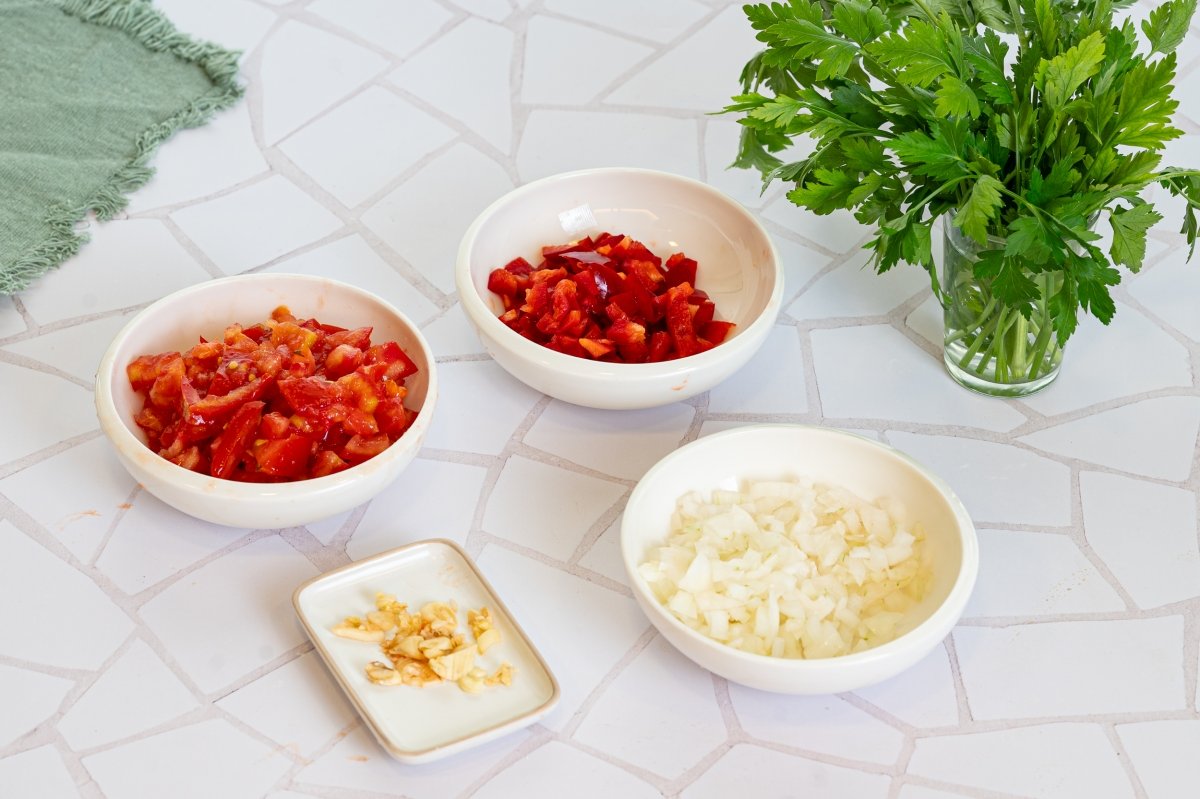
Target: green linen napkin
x: 88, y: 90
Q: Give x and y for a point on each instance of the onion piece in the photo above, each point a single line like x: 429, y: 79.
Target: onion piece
x: 790, y: 568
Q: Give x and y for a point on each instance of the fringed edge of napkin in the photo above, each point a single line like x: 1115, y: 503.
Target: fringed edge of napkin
x: 152, y: 29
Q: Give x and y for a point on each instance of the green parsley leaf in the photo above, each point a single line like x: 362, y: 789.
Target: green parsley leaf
x: 1168, y: 24
x: 955, y: 98
x: 827, y: 193
x: 980, y: 208
x: 1029, y: 239
x: 1058, y: 78
x: 919, y: 53
x: 1129, y: 234
x: 859, y: 20
x: 936, y: 158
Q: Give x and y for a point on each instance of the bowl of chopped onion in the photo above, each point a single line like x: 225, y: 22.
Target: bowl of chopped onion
x: 798, y: 559
x: 619, y: 288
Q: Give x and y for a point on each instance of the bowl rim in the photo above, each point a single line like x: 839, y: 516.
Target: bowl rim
x: 490, y: 325
x: 948, y: 611
x: 123, y: 439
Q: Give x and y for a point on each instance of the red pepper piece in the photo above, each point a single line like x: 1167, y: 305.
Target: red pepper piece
x: 608, y: 280
x: 648, y: 311
x: 564, y: 310
x: 625, y: 331
x: 637, y: 352
x: 609, y: 240
x: 679, y: 321
x: 587, y: 290
x: 647, y: 274
x: 680, y: 269
x: 230, y: 445
x: 504, y: 283
x: 519, y: 266
x: 702, y: 314
x: 568, y: 345
x: 582, y: 245
x: 716, y: 332
x: 596, y: 348
x: 537, y: 299
x: 660, y: 346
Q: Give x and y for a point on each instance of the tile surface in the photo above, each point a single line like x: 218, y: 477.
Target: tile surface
x: 372, y: 133
x: 1164, y: 756
x: 256, y: 224
x: 475, y: 91
x: 35, y: 585
x: 1047, y: 761
x: 1072, y: 668
x: 568, y: 64
x: 137, y: 692
x: 754, y: 771
x: 1037, y: 574
x: 305, y: 70
x: 660, y: 713
x: 36, y: 772
x: 825, y: 724
x: 298, y: 705
x: 246, y: 600
x: 376, y: 120
x: 211, y: 758
x: 28, y: 698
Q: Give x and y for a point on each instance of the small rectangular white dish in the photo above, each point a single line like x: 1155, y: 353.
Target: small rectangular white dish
x: 416, y: 725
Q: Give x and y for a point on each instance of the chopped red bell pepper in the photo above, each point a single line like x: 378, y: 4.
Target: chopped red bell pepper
x: 609, y: 298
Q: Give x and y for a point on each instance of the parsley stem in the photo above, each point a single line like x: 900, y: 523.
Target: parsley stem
x: 975, y: 323
x: 925, y: 9
x: 1018, y: 22
x: 1045, y: 330
x: 980, y: 340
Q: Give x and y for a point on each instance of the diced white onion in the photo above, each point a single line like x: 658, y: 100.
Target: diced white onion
x: 790, y: 568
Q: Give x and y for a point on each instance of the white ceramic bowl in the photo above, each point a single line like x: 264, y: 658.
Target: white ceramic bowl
x: 175, y: 322
x: 739, y: 269
x: 870, y: 469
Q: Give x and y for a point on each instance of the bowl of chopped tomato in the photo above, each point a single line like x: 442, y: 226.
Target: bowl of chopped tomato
x: 266, y: 401
x: 619, y: 288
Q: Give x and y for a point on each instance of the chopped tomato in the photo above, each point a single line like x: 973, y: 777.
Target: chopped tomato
x: 230, y: 445
x: 359, y: 448
x: 285, y: 399
x: 327, y: 462
x: 287, y: 457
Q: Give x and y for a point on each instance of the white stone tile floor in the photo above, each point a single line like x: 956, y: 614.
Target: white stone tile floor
x: 146, y: 655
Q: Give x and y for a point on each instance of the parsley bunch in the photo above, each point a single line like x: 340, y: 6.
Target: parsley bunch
x: 1030, y: 121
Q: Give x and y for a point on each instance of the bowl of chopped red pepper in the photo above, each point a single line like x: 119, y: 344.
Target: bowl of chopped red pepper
x: 619, y: 288
x: 266, y: 400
